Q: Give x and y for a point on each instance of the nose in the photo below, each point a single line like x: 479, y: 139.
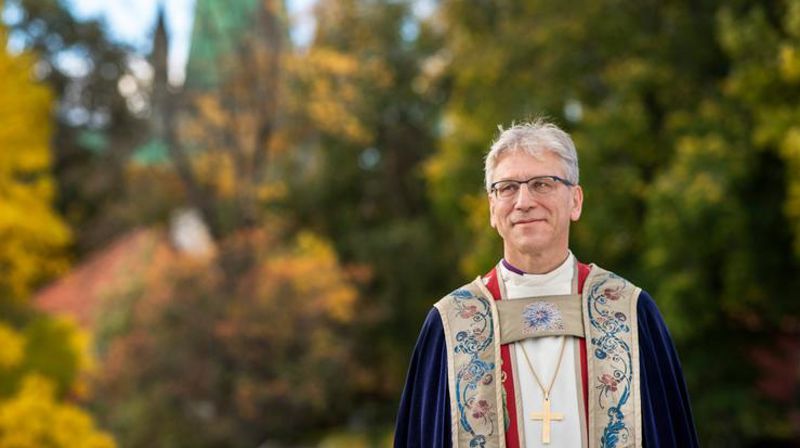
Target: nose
x: 525, y: 199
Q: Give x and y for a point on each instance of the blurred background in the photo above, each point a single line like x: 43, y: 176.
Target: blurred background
x: 223, y: 222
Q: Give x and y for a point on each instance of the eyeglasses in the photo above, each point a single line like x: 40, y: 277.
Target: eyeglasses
x: 537, y: 185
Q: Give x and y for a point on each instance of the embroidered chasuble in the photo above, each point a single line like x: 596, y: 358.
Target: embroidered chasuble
x: 544, y: 352
x: 619, y: 385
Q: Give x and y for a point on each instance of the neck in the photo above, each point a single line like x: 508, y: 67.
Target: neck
x: 536, y: 263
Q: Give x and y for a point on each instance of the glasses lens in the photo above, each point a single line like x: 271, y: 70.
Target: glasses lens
x: 541, y: 185
x: 506, y: 190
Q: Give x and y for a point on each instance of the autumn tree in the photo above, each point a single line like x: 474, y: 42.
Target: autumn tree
x: 34, y: 236
x: 203, y: 357
x: 96, y: 125
x: 42, y: 357
x: 34, y: 418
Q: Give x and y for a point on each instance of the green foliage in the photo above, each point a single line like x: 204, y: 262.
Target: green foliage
x: 54, y: 348
x: 39, y: 367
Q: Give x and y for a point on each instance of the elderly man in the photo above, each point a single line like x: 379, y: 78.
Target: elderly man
x: 543, y: 350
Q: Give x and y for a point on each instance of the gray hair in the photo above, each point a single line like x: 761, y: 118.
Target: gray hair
x: 533, y: 137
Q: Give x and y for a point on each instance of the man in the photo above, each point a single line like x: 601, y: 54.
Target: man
x: 543, y: 350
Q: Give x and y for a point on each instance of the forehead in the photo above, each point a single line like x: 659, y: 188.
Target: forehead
x: 520, y: 165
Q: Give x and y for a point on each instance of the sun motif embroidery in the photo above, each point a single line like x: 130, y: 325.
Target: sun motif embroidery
x: 541, y: 316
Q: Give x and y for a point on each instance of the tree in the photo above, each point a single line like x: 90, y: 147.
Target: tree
x: 734, y: 171
x: 362, y: 90
x: 35, y: 418
x: 42, y: 357
x: 206, y: 357
x: 94, y: 127
x: 225, y: 129
x: 34, y: 236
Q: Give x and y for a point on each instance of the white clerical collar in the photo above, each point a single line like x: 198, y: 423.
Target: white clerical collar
x: 563, y: 273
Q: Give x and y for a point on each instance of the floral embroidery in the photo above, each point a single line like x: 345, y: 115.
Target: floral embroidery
x: 610, y: 347
x: 477, y: 442
x: 480, y: 409
x: 541, y: 316
x: 612, y: 293
x: 474, y: 320
x: 607, y: 384
x: 468, y: 311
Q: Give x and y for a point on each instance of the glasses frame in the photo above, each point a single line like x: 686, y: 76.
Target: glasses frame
x: 495, y: 191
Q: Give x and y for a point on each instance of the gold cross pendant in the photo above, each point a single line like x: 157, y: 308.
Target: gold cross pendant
x: 546, y: 417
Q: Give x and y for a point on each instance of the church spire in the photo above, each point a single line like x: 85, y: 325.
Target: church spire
x: 159, y: 58
x: 160, y: 99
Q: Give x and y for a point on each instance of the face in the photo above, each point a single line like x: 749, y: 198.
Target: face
x: 533, y: 225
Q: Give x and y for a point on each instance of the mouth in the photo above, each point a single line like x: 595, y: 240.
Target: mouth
x: 527, y: 221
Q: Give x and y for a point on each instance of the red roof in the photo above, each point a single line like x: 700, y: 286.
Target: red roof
x: 79, y: 293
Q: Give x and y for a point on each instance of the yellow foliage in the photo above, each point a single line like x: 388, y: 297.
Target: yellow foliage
x: 79, y: 342
x: 33, y: 235
x: 355, y: 440
x: 217, y: 170
x: 336, y: 62
x: 33, y: 419
x: 314, y: 271
x: 438, y: 169
x: 486, y: 242
x: 789, y: 63
x: 269, y: 192
x: 345, y: 440
x: 13, y: 347
x: 790, y: 147
x: 211, y: 111
x: 701, y: 186
x: 322, y: 274
x: 337, y: 82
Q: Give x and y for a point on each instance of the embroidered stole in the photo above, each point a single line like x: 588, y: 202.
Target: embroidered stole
x: 483, y: 408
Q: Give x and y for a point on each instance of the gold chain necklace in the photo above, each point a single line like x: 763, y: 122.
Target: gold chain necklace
x: 546, y: 416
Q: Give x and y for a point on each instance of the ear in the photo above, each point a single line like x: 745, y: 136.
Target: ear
x: 577, y: 203
x: 491, y: 212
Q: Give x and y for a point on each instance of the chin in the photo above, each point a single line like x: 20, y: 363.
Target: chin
x: 525, y: 236
x: 531, y: 245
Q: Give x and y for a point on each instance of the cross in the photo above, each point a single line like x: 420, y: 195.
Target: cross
x: 546, y: 417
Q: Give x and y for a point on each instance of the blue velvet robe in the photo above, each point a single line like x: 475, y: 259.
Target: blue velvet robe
x: 424, y: 416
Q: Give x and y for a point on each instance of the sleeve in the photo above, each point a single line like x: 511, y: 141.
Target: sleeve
x: 423, y: 419
x: 666, y: 413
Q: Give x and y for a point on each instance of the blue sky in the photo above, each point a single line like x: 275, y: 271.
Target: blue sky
x: 132, y: 22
